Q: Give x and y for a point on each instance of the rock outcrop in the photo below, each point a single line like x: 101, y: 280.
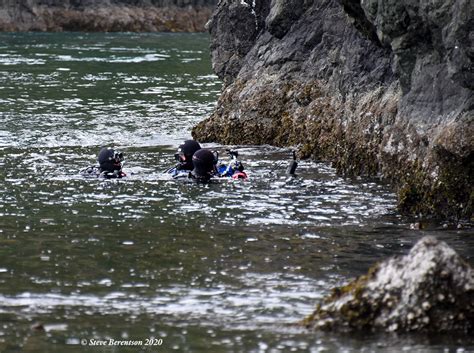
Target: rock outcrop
x: 379, y: 87
x: 105, y: 15
x: 429, y: 290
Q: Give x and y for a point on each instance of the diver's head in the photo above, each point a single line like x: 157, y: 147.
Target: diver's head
x: 185, y: 153
x: 110, y: 160
x: 203, y: 162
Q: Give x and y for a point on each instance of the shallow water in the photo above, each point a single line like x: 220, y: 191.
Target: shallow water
x: 225, y: 267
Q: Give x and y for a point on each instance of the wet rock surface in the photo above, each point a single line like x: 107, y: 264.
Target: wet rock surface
x: 380, y: 88
x: 106, y: 15
x: 431, y: 289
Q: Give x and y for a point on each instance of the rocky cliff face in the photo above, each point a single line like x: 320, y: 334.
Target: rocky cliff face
x: 431, y: 289
x: 378, y: 87
x: 105, y: 15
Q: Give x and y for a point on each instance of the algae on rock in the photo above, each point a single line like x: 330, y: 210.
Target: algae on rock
x: 380, y: 88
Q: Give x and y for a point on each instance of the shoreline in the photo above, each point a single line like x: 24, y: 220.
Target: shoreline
x: 114, y: 18
x: 352, y: 84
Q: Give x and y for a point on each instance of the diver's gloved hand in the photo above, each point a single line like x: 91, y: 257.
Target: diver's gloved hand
x: 216, y: 157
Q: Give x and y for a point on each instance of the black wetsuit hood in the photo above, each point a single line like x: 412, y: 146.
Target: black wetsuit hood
x: 109, y: 160
x: 203, y: 161
x: 185, y: 153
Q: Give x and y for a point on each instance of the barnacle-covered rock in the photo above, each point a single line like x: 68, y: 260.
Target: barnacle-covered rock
x: 431, y: 289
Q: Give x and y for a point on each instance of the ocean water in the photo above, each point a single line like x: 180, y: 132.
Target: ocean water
x: 231, y: 266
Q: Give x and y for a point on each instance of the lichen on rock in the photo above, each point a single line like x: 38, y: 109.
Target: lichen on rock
x: 431, y: 289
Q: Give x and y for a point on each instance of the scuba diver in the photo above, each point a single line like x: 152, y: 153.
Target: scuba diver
x: 184, y: 156
x: 204, y: 165
x: 110, y: 165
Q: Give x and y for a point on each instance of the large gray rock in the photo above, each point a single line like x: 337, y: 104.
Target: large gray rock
x: 378, y: 87
x: 105, y: 15
x: 431, y: 289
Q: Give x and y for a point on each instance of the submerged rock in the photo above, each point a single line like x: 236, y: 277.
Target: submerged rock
x: 380, y: 88
x: 106, y: 15
x: 431, y: 289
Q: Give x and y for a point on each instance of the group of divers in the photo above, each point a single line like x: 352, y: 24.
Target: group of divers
x: 192, y: 163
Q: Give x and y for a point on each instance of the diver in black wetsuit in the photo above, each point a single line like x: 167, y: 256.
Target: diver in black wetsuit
x: 184, y: 156
x: 110, y: 165
x: 204, y: 165
x: 110, y: 162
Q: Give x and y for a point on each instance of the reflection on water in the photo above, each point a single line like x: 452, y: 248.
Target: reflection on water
x: 139, y: 87
x: 224, y: 267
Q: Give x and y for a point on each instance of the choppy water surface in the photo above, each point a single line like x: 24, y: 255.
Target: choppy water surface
x: 225, y: 267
